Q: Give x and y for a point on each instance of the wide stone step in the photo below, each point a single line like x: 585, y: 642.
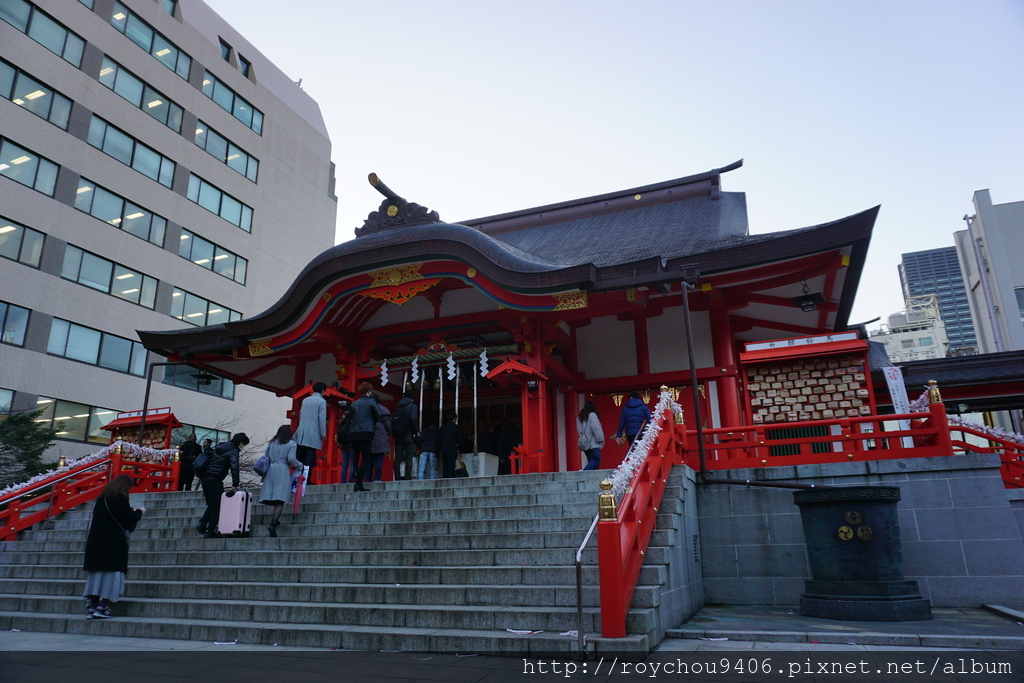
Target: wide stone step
x: 328, y: 636
x: 229, y: 573
x: 298, y: 538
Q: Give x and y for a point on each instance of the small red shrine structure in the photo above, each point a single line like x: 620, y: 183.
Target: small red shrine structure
x: 514, y: 320
x: 156, y: 430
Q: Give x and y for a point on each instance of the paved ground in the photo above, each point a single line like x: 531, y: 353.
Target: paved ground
x: 781, y: 641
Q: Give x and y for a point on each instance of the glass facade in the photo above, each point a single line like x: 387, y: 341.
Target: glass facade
x: 139, y: 93
x: 13, y: 324
x: 101, y: 203
x: 44, y: 29
x: 75, y: 421
x: 937, y: 271
x: 30, y: 94
x: 215, y: 200
x: 20, y: 244
x: 212, y: 257
x: 150, y: 40
x: 108, y: 277
x: 184, y: 376
x: 27, y: 168
x: 226, y: 152
x: 195, y: 310
x: 87, y: 345
x: 228, y: 100
x: 116, y: 143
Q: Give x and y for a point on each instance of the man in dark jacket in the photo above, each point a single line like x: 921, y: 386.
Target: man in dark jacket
x: 224, y: 460
x: 189, y: 450
x: 404, y: 427
x: 635, y: 414
x: 448, y: 440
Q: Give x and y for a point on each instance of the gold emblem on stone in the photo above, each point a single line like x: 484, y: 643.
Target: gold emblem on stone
x: 865, y: 533
x: 392, y: 211
x: 845, y: 533
x: 853, y: 517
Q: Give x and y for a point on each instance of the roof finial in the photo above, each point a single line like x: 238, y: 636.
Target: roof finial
x: 394, y: 211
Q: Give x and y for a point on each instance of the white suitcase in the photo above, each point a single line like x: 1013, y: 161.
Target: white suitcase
x: 235, y: 513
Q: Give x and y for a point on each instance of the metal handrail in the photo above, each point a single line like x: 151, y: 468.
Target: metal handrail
x: 579, y: 589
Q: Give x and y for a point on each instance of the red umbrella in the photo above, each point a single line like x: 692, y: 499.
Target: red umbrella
x: 300, y: 488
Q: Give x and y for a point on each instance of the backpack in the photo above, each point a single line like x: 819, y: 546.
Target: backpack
x: 402, y: 426
x: 343, y: 435
x: 201, y: 462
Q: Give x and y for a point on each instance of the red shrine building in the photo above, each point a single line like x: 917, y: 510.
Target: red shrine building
x: 514, y: 320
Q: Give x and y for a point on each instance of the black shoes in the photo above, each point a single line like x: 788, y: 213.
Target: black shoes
x: 360, y: 487
x: 201, y: 529
x: 273, y: 531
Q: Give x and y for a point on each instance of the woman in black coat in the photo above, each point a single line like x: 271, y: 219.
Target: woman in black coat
x: 106, y: 550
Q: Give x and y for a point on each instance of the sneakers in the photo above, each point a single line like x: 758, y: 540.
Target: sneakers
x: 101, y: 613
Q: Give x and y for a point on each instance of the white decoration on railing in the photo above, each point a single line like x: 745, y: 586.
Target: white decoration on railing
x: 384, y: 373
x: 415, y: 370
x: 921, y: 404
x: 451, y: 366
x: 104, y: 453
x: 630, y: 465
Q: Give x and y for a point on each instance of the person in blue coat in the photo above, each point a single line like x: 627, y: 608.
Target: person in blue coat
x: 277, y: 485
x: 635, y: 414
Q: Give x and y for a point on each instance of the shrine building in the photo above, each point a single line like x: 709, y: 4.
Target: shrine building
x: 515, y: 320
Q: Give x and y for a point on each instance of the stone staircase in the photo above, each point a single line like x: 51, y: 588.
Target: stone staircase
x: 443, y: 566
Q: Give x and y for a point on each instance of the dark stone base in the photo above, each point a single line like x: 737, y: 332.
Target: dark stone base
x: 904, y: 589
x: 912, y: 609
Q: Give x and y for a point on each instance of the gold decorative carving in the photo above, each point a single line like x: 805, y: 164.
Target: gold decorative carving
x: 845, y: 533
x: 400, y: 294
x: 606, y: 506
x: 865, y: 533
x: 471, y: 272
x: 617, y: 399
x: 396, y: 276
x: 853, y: 517
x: 392, y: 211
x: 631, y: 294
x: 703, y: 392
x: 570, y: 300
x: 326, y: 297
x: 260, y: 347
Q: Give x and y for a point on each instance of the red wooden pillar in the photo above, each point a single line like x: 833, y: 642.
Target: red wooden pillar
x: 643, y: 349
x: 725, y: 357
x: 573, y: 456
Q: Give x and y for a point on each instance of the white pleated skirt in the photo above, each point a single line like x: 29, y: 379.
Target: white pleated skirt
x: 107, y: 585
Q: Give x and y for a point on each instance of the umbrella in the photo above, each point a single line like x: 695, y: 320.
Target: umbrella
x: 298, y: 488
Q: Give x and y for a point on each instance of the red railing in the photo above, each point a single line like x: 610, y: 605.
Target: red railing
x: 527, y: 463
x: 75, y: 484
x: 622, y: 542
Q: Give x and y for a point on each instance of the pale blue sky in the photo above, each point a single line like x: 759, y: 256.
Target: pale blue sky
x: 476, y: 108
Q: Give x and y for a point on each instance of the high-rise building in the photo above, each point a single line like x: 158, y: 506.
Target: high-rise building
x: 937, y: 271
x: 991, y: 251
x: 916, y: 333
x: 156, y: 171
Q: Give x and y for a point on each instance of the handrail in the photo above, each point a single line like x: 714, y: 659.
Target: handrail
x: 77, y: 483
x: 579, y: 589
x: 623, y: 535
x: 1011, y: 453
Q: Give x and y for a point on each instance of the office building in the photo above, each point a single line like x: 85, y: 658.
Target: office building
x: 155, y: 170
x: 917, y: 333
x: 937, y: 271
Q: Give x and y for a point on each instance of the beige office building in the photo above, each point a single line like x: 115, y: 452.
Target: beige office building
x: 156, y: 171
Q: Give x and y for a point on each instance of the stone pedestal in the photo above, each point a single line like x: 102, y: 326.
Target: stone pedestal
x: 853, y: 545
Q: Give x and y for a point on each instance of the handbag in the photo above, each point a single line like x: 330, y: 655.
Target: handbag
x: 127, y: 534
x: 262, y: 465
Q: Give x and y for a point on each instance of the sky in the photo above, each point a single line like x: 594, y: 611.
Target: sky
x: 474, y: 108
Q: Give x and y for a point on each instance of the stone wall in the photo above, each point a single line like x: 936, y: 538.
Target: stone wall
x: 962, y: 540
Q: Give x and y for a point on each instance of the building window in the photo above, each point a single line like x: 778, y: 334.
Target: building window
x: 101, y: 203
x: 6, y: 402
x: 169, y: 6
x: 196, y: 310
x: 215, y: 200
x: 135, y: 90
x: 116, y: 143
x: 1020, y: 302
x: 87, y: 3
x: 184, y: 376
x: 180, y: 434
x: 75, y: 421
x: 30, y: 94
x: 245, y: 65
x: 87, y: 345
x: 153, y: 42
x: 226, y: 152
x: 232, y: 103
x: 926, y: 341
x: 13, y: 324
x: 44, y: 29
x: 29, y: 169
x: 108, y: 277
x: 907, y: 343
x: 20, y: 244
x: 225, y: 51
x: 212, y: 257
